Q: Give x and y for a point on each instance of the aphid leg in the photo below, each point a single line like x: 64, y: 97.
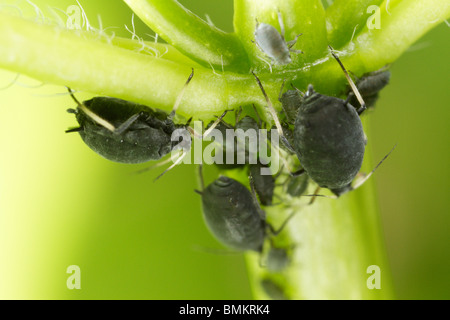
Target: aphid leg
x: 91, y: 114
x: 276, y: 232
x: 366, y: 177
x: 352, y: 84
x: 297, y: 173
x: 274, y: 116
x: 180, y: 158
x: 297, y: 89
x: 180, y: 96
x: 257, y: 116
x: 200, y: 179
x: 292, y: 43
x: 281, y: 90
x: 210, y: 129
x: 159, y: 164
x: 238, y: 115
x: 78, y: 129
x: 316, y: 193
x: 261, y: 212
x: 124, y: 126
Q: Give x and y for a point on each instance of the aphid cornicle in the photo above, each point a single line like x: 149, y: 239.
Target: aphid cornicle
x: 273, y: 44
x: 124, y: 131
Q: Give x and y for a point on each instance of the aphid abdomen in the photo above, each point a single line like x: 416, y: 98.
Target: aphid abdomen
x: 232, y: 216
x: 264, y: 184
x: 329, y: 140
x: 290, y: 101
x: 272, y: 43
x: 134, y: 146
x: 147, y: 138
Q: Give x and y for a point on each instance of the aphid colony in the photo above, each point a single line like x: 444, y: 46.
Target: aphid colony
x: 325, y: 134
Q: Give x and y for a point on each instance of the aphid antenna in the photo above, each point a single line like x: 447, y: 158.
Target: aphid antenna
x: 91, y: 114
x: 316, y: 194
x: 352, y: 84
x: 366, y: 177
x: 281, y: 23
x: 274, y: 115
x: 297, y: 89
x: 200, y: 178
x: 291, y: 43
x: 257, y: 116
x: 180, y: 96
x: 276, y: 232
x: 209, y: 130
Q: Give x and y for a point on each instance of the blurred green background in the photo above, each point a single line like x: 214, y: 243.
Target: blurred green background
x: 62, y: 205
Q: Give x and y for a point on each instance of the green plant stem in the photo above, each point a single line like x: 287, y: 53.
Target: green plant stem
x: 346, y: 18
x: 190, y: 34
x: 337, y: 239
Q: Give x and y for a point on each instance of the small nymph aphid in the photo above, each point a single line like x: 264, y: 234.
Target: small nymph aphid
x: 273, y: 44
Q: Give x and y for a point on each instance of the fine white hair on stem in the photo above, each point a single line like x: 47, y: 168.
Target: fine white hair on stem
x: 144, y: 47
x: 39, y: 14
x: 213, y: 70
x: 39, y: 85
x: 352, y: 44
x: 387, y: 7
x: 133, y: 31
x: 18, y: 9
x: 11, y: 83
x: 85, y: 18
x: 209, y: 21
x: 59, y: 21
x: 267, y: 62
